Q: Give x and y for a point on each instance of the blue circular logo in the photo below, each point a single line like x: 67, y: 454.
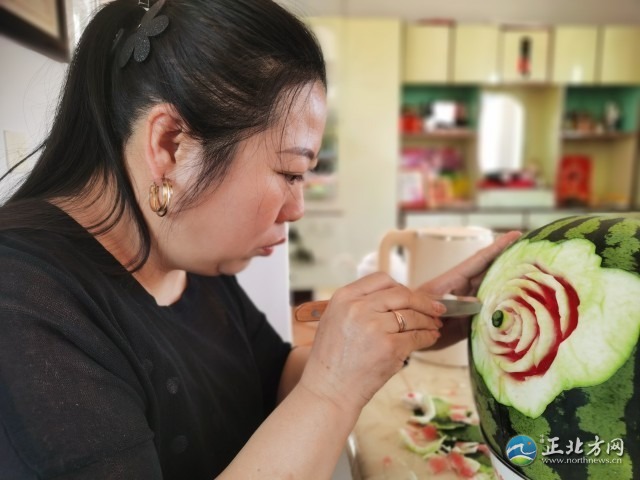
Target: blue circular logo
x: 521, y: 450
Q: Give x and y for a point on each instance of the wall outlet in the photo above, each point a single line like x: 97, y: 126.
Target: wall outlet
x: 15, y: 144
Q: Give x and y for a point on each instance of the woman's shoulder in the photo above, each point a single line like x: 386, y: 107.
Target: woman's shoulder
x: 50, y: 266
x: 29, y: 247
x: 32, y: 226
x: 49, y: 284
x: 36, y: 262
x: 43, y: 235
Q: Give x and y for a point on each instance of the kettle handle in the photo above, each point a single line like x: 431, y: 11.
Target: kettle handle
x: 394, y: 238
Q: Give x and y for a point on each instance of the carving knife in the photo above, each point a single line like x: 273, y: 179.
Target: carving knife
x: 456, y: 307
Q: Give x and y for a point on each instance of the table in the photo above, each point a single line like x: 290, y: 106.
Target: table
x: 375, y: 447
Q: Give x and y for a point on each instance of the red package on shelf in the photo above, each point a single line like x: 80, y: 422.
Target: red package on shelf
x: 573, y: 185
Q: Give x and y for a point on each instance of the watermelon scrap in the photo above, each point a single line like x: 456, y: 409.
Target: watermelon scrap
x: 464, y: 466
x: 438, y: 463
x: 451, y: 441
x: 430, y: 432
x: 466, y: 447
x: 414, y: 441
x: 423, y: 406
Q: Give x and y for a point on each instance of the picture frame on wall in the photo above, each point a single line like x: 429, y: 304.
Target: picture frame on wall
x: 37, y: 24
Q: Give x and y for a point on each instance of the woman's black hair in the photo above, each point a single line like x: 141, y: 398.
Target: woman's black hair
x: 225, y: 65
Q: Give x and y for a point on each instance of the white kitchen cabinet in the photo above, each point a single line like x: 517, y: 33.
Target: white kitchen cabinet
x: 574, y: 55
x: 475, y: 56
x: 426, y: 53
x: 514, y: 219
x: 427, y: 220
x: 620, y: 63
x: 497, y: 220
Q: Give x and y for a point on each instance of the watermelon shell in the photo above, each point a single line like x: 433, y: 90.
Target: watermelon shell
x: 553, y: 353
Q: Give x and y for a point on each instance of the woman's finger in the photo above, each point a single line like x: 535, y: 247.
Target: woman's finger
x: 419, y: 339
x: 400, y: 297
x: 404, y: 320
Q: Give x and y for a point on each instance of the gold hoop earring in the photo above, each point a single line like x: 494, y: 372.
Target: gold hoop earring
x: 158, y: 202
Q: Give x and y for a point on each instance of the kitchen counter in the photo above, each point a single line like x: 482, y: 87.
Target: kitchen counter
x: 376, y: 448
x: 499, y: 219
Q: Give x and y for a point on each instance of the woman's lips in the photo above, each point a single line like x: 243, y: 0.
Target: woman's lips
x: 268, y: 249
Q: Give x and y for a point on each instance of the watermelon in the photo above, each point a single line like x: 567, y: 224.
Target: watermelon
x: 553, y: 352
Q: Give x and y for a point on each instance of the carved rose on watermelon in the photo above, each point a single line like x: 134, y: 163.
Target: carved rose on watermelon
x: 542, y: 328
x: 532, y: 315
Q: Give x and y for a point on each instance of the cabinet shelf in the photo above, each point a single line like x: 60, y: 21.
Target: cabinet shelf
x: 444, y: 134
x: 471, y: 208
x: 498, y: 219
x: 570, y: 135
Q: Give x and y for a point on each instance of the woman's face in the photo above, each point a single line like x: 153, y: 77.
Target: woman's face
x: 245, y: 215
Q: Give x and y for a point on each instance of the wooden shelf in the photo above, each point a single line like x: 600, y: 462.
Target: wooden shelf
x: 575, y: 136
x: 523, y: 209
x: 444, y: 134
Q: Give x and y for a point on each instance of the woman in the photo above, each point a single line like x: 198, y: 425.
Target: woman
x: 128, y: 348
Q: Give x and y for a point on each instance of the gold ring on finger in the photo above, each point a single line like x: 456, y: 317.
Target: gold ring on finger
x: 402, y: 324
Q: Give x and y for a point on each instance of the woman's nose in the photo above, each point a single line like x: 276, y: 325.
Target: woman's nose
x: 293, y: 208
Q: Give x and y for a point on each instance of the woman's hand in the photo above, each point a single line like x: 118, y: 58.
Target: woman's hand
x: 358, y: 345
x: 464, y: 280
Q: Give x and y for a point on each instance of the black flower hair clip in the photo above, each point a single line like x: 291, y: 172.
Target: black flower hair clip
x: 138, y: 43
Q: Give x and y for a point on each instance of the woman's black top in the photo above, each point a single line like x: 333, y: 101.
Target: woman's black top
x: 99, y: 382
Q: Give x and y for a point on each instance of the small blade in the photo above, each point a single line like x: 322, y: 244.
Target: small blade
x: 460, y: 306
x: 456, y: 307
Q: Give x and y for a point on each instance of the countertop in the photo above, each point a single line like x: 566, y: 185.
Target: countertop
x: 376, y: 448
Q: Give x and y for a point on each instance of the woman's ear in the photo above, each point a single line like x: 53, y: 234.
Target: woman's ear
x: 163, y: 131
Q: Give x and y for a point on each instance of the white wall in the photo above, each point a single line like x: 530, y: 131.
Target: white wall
x: 266, y: 281
x: 548, y: 11
x: 29, y: 87
x: 29, y: 83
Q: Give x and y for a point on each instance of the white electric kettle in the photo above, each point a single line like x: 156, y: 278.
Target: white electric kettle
x: 429, y: 252
x: 432, y: 250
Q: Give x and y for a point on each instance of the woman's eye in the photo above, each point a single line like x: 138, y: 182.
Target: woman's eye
x: 293, y: 178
